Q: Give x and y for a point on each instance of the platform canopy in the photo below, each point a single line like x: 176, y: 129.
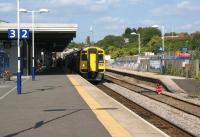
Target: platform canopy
x: 54, y: 37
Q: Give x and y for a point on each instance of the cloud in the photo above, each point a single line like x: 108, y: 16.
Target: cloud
x: 165, y: 10
x: 149, y: 22
x: 188, y: 6
x: 176, y: 9
x: 98, y: 8
x: 7, y: 7
x: 69, y: 2
x: 183, y: 4
x: 110, y: 20
x: 111, y: 23
x: 103, y: 5
x: 107, y: 1
x: 135, y: 1
x: 185, y: 27
x: 197, y: 22
x: 92, y: 5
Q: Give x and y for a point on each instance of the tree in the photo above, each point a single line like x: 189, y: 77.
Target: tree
x: 196, y: 41
x: 148, y: 33
x: 170, y: 34
x: 127, y: 32
x: 75, y: 45
x: 88, y: 42
x: 134, y: 30
x: 116, y: 41
x: 154, y: 43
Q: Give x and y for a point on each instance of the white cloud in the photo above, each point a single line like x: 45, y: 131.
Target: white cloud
x: 69, y: 2
x: 165, y: 10
x: 110, y: 20
x: 111, y: 23
x: 177, y: 9
x: 98, y: 8
x: 102, y: 5
x: 197, y: 22
x: 188, y: 6
x: 186, y: 27
x: 107, y: 1
x: 7, y: 7
x: 149, y: 22
x: 135, y: 1
x: 183, y: 4
x: 92, y: 5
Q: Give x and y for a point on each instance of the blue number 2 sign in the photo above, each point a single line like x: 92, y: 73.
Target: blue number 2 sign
x: 12, y: 34
x: 24, y: 33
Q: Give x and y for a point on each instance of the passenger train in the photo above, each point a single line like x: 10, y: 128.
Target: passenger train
x: 89, y: 62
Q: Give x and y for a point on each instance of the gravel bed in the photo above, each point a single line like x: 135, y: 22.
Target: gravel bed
x: 182, y: 96
x: 185, y: 121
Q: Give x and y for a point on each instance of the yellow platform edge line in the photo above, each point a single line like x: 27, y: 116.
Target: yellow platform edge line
x: 112, y: 126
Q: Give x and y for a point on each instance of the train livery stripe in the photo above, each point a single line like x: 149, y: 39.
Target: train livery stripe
x: 112, y: 126
x: 93, y: 61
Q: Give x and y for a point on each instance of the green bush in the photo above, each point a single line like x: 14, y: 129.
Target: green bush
x: 198, y: 76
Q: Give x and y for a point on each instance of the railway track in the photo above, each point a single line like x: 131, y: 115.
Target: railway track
x: 187, y: 107
x: 165, y: 126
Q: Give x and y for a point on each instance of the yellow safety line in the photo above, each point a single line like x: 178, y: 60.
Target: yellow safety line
x: 112, y: 126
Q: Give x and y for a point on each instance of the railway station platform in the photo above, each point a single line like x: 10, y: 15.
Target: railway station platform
x: 170, y: 82
x: 66, y: 105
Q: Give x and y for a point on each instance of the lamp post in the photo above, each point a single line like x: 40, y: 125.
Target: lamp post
x: 92, y: 36
x: 33, y: 35
x: 139, y: 41
x: 163, y: 48
x: 19, y: 81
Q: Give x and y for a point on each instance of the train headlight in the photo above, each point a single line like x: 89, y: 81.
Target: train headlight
x: 83, y: 65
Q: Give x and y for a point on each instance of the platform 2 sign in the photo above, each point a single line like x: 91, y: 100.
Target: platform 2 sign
x: 24, y: 34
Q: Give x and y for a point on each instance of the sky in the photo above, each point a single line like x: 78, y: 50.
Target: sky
x: 98, y: 18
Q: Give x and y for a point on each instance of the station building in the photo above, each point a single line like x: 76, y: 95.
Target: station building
x: 49, y: 38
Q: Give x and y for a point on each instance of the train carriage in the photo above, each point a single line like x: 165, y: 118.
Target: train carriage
x: 92, y: 63
x: 89, y: 62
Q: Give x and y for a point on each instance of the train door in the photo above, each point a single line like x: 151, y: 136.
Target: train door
x: 93, y: 60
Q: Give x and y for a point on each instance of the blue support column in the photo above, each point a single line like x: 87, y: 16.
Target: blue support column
x: 19, y: 83
x: 33, y: 73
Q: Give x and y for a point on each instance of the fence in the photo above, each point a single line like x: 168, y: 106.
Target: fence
x: 179, y: 68
x: 175, y: 67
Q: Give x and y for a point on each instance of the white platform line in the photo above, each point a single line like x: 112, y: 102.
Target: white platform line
x: 7, y: 93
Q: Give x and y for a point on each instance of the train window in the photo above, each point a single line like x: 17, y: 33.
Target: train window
x: 100, y: 51
x: 84, y: 57
x: 100, y: 57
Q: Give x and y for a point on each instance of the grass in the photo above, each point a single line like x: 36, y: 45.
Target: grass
x: 195, y: 94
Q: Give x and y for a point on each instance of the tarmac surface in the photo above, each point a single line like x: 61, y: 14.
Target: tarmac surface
x: 48, y: 107
x: 189, y: 85
x: 174, y: 84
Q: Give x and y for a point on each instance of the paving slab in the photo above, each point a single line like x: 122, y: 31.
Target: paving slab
x: 134, y: 124
x: 48, y: 107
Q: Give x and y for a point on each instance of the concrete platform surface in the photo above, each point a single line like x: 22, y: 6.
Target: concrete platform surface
x: 48, y: 107
x: 166, y: 80
x: 68, y: 106
x: 129, y: 121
